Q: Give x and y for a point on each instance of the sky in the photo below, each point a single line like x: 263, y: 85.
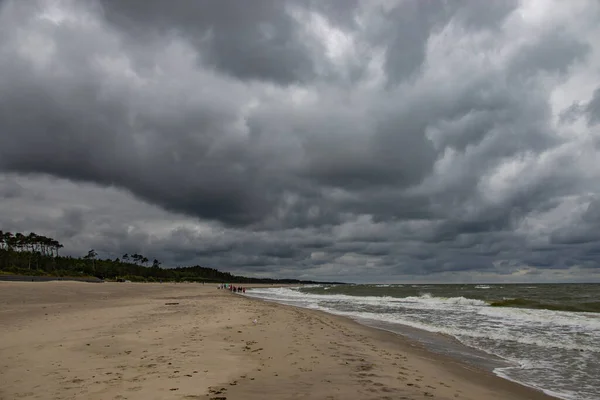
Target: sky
x: 352, y: 140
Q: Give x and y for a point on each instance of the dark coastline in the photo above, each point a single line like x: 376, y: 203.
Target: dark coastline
x: 33, y: 278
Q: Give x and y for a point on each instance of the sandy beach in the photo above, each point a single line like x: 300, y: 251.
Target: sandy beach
x: 71, y: 340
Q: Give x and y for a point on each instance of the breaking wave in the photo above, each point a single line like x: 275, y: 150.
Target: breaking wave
x: 593, y: 306
x: 539, y: 337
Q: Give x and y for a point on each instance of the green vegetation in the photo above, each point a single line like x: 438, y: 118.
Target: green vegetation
x: 36, y: 255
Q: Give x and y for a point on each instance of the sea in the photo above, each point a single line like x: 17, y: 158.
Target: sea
x: 545, y: 336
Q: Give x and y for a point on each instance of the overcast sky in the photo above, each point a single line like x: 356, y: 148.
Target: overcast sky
x: 356, y: 140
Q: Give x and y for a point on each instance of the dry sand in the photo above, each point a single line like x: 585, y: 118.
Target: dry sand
x: 68, y: 340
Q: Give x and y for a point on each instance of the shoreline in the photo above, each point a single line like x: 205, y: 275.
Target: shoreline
x: 178, y: 341
x: 422, y: 350
x: 453, y: 358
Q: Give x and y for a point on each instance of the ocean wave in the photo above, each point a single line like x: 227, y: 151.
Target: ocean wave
x: 593, y: 306
x: 426, y: 299
x: 514, y: 329
x: 467, y: 335
x: 426, y: 302
x: 506, y: 373
x: 429, y: 299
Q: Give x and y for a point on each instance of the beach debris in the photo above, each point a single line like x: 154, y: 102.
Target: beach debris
x: 171, y: 304
x: 255, y: 321
x: 212, y: 390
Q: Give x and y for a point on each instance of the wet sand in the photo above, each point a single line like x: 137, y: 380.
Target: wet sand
x: 72, y: 340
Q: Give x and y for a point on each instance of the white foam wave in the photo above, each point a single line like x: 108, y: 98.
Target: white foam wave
x: 510, y: 333
x: 563, y: 394
x: 455, y: 316
x: 528, y: 316
x: 425, y: 299
x: 429, y: 299
x: 464, y: 335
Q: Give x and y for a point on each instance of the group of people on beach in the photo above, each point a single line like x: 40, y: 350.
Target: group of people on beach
x: 231, y: 288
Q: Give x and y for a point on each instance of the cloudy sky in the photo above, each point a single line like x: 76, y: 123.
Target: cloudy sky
x: 356, y: 140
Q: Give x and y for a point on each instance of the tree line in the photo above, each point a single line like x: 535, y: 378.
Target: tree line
x: 34, y: 254
x: 32, y: 242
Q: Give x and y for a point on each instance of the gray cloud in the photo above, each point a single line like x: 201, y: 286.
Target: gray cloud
x: 10, y: 188
x: 258, y: 42
x: 593, y: 108
x: 360, y: 140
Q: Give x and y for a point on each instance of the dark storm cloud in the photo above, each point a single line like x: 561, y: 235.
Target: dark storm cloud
x: 593, y: 108
x: 552, y: 53
x: 260, y: 41
x: 585, y: 231
x: 589, y: 110
x: 487, y: 15
x: 314, y: 138
x: 374, y: 161
x: 409, y: 25
x: 94, y: 138
x: 72, y: 222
